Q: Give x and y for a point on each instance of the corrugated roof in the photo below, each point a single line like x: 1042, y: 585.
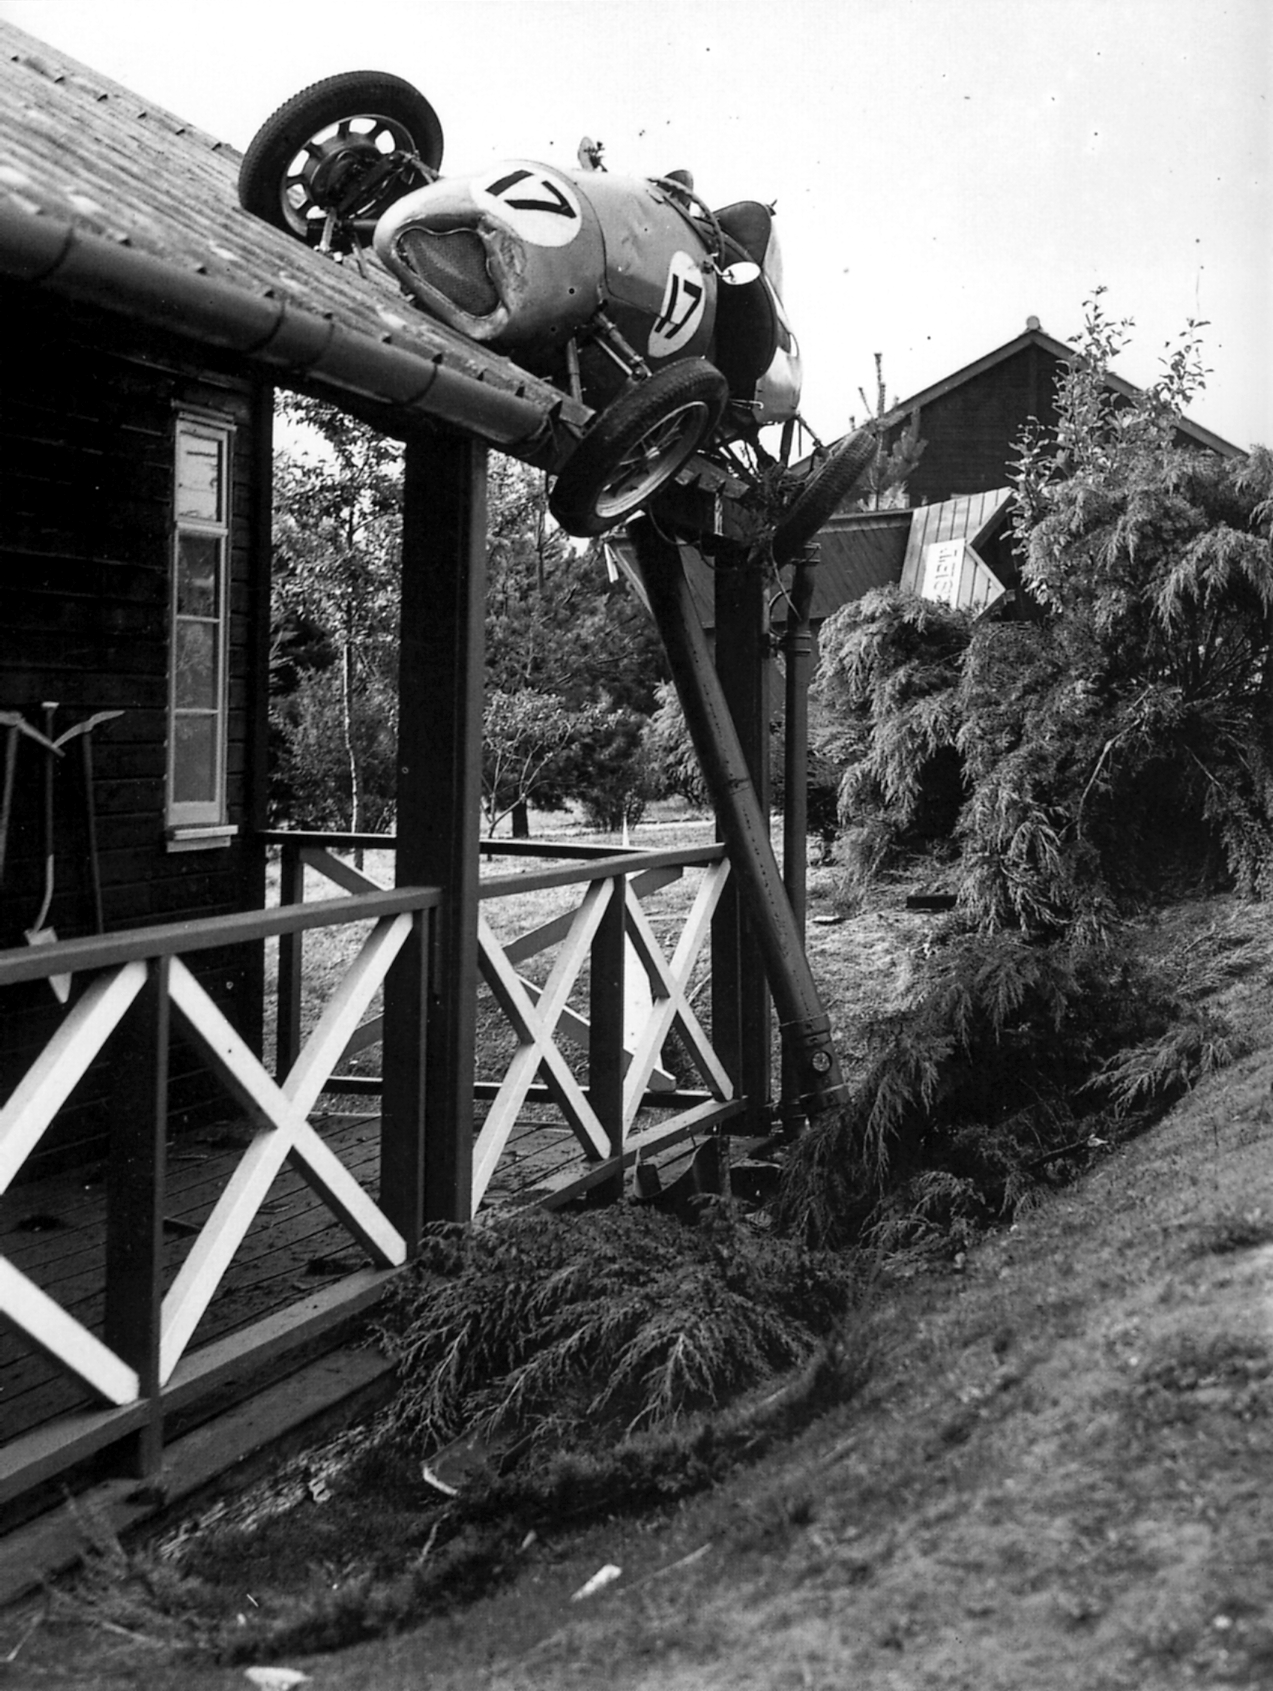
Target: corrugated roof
x: 860, y: 550
x: 970, y: 517
x: 107, y: 198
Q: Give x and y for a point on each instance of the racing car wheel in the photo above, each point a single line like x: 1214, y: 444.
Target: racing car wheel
x: 340, y: 152
x: 637, y: 443
x: 827, y: 484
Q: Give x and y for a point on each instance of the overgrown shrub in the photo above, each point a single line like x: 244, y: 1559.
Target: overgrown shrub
x: 888, y: 689
x: 555, y: 1331
x: 1073, y: 769
x: 1010, y: 1063
x: 667, y: 753
x: 1116, y: 750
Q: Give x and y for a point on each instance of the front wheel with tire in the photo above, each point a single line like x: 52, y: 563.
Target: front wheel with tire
x: 339, y: 152
x: 826, y: 486
x: 637, y: 443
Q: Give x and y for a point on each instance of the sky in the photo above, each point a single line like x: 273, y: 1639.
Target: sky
x: 942, y: 169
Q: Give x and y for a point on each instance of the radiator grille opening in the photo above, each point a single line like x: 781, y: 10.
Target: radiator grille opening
x: 454, y: 262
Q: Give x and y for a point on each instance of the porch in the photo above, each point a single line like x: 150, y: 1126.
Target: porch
x: 139, y: 1291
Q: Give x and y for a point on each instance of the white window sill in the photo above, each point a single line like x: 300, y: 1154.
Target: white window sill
x: 210, y: 837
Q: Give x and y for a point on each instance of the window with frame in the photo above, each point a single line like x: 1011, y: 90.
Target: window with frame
x: 197, y: 696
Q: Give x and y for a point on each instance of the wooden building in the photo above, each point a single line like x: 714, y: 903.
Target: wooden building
x: 972, y: 420
x: 957, y: 549
x: 149, y: 320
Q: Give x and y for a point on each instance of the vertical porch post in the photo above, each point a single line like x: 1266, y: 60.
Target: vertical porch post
x: 440, y: 692
x: 135, y: 1174
x: 605, y: 1017
x: 403, y: 1107
x: 797, y: 651
x: 287, y: 1025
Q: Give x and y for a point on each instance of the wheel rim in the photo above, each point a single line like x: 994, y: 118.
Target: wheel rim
x: 325, y: 171
x: 653, y: 456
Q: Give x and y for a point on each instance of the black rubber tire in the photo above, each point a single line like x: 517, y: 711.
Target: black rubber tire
x: 663, y: 420
x: 355, y: 93
x: 825, y: 488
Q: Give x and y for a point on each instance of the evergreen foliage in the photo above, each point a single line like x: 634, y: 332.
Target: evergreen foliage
x: 888, y: 680
x: 670, y: 762
x: 1115, y: 749
x: 1067, y: 771
x: 573, y: 1331
x: 1010, y: 1063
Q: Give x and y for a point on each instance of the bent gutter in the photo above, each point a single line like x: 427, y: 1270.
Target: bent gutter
x: 48, y: 252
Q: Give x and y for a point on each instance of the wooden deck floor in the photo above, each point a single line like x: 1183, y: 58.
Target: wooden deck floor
x: 53, y: 1230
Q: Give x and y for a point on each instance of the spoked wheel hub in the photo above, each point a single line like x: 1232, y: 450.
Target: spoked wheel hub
x: 347, y: 172
x: 637, y: 444
x: 339, y: 152
x: 652, y: 458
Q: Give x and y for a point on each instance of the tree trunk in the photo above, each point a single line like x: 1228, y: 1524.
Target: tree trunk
x: 521, y: 820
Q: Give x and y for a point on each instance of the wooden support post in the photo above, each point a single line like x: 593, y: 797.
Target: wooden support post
x: 135, y: 1177
x: 797, y: 652
x: 403, y: 1115
x: 260, y: 524
x: 742, y: 663
x: 804, y: 1023
x: 605, y: 1025
x: 440, y: 695
x: 287, y: 1025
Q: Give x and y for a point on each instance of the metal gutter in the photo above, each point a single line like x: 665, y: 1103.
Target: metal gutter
x: 48, y: 252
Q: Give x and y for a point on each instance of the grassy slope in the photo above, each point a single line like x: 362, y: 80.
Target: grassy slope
x: 1057, y: 1477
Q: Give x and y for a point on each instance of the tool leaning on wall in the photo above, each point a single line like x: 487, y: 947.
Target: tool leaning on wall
x: 17, y: 728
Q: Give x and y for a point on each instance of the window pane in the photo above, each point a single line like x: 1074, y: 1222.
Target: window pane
x: 199, y: 478
x: 195, y: 666
x: 198, y: 556
x: 194, y: 760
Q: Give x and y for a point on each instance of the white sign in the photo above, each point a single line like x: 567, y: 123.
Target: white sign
x: 943, y: 567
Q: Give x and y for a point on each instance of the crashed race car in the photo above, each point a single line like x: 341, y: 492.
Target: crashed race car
x: 662, y: 316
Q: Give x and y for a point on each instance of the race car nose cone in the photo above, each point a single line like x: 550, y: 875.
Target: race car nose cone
x: 511, y: 257
x: 432, y: 240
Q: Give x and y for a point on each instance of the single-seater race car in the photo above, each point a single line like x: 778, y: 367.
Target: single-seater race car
x: 662, y: 316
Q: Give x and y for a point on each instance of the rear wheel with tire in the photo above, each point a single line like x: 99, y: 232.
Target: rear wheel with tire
x: 637, y: 444
x: 822, y: 492
x: 338, y: 153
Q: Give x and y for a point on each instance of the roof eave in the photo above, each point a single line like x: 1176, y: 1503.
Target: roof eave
x: 533, y: 420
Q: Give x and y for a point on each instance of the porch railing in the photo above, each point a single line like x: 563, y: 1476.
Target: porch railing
x: 560, y: 987
x: 571, y: 1048
x: 137, y: 1362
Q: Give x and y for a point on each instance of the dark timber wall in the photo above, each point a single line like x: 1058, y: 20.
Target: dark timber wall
x: 87, y: 414
x: 973, y: 425
x: 972, y: 431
